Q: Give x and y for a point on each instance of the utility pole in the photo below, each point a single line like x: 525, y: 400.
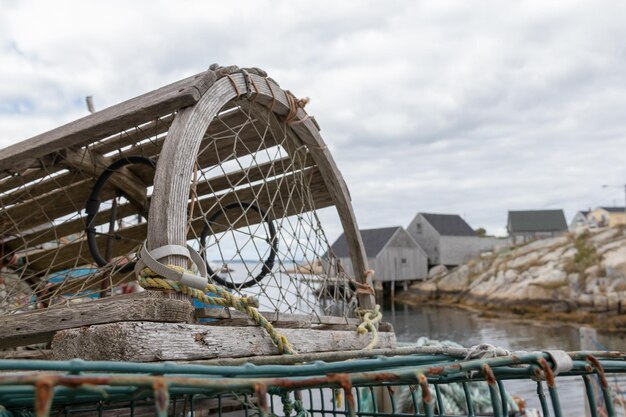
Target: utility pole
x: 618, y: 186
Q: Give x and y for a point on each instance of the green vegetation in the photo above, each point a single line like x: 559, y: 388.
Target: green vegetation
x: 585, y: 257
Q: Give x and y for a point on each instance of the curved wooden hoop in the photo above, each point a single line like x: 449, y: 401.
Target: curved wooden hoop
x: 168, y: 215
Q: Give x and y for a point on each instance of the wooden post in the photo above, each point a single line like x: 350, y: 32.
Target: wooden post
x: 587, y: 337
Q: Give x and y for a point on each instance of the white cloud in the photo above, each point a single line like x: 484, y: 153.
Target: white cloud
x: 459, y: 107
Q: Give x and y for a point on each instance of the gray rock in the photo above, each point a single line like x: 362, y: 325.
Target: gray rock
x: 437, y: 271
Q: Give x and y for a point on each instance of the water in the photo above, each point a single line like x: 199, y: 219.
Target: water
x: 468, y: 329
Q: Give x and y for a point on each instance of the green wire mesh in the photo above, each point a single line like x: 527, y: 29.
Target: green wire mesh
x: 416, y: 385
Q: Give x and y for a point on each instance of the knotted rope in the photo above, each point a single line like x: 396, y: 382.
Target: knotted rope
x: 247, y: 305
x: 371, y: 319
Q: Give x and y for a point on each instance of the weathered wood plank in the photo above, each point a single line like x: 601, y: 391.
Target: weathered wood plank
x: 39, y: 326
x: 34, y: 354
x: 168, y: 217
x: 229, y: 317
x: 149, y: 341
x: 111, y: 120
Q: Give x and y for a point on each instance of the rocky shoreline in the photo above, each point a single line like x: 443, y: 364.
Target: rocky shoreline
x: 579, y: 277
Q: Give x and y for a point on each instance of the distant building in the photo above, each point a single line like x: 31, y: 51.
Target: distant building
x: 448, y: 240
x: 580, y: 220
x: 606, y: 216
x: 391, y: 252
x: 527, y: 225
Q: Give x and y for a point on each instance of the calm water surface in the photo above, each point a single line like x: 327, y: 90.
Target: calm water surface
x: 468, y: 329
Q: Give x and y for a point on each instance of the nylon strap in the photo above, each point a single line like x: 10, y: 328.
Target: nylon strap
x: 562, y: 361
x: 150, y: 259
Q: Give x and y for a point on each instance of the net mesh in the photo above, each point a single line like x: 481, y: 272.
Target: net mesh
x: 253, y: 213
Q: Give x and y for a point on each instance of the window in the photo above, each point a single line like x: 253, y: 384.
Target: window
x: 418, y: 227
x: 403, y: 260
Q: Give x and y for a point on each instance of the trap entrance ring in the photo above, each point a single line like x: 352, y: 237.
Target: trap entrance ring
x: 272, y: 239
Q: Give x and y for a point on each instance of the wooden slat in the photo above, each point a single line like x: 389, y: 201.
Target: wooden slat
x: 109, y: 121
x: 147, y: 341
x: 45, y: 185
x: 229, y: 317
x: 220, y: 127
x: 134, y: 135
x: 59, y: 203
x: 41, y: 169
x: 212, y: 185
x: 49, y: 207
x: 39, y: 326
x: 94, y: 164
x: 231, y: 119
x: 77, y: 253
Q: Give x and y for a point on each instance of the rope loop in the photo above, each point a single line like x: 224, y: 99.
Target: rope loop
x: 371, y: 319
x: 294, y: 105
x: 148, y: 279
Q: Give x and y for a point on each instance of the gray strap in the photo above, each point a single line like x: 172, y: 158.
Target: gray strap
x: 150, y: 259
x: 562, y: 361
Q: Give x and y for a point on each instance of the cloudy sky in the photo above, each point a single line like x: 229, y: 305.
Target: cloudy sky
x: 460, y: 107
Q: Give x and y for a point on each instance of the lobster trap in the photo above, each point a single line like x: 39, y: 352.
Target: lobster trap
x: 219, y: 180
x: 412, y: 382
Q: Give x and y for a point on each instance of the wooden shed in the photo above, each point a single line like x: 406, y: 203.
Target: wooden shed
x: 391, y: 252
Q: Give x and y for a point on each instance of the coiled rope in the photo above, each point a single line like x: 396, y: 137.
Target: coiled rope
x: 248, y: 305
x: 371, y: 319
x: 152, y: 274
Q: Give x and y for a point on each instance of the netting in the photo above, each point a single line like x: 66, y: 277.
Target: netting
x: 71, y: 223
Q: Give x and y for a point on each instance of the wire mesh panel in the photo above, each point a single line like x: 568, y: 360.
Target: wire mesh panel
x: 415, y: 384
x: 253, y: 215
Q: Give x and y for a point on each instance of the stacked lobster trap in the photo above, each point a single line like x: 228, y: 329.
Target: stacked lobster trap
x: 216, y: 179
x: 186, y: 225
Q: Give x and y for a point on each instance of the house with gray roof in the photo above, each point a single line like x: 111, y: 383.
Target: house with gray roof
x: 580, y: 220
x: 391, y: 252
x: 527, y: 225
x: 448, y: 240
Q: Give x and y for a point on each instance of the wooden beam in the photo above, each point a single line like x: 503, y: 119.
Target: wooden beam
x: 229, y: 317
x: 94, y: 164
x: 39, y: 326
x: 143, y: 341
x: 111, y: 120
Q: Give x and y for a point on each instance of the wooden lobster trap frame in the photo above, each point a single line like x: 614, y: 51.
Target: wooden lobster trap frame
x: 167, y: 151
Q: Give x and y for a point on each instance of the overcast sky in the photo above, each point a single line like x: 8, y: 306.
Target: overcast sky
x: 462, y: 107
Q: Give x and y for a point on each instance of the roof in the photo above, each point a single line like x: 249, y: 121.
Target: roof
x: 613, y: 209
x: 449, y: 224
x: 536, y: 221
x: 374, y: 240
